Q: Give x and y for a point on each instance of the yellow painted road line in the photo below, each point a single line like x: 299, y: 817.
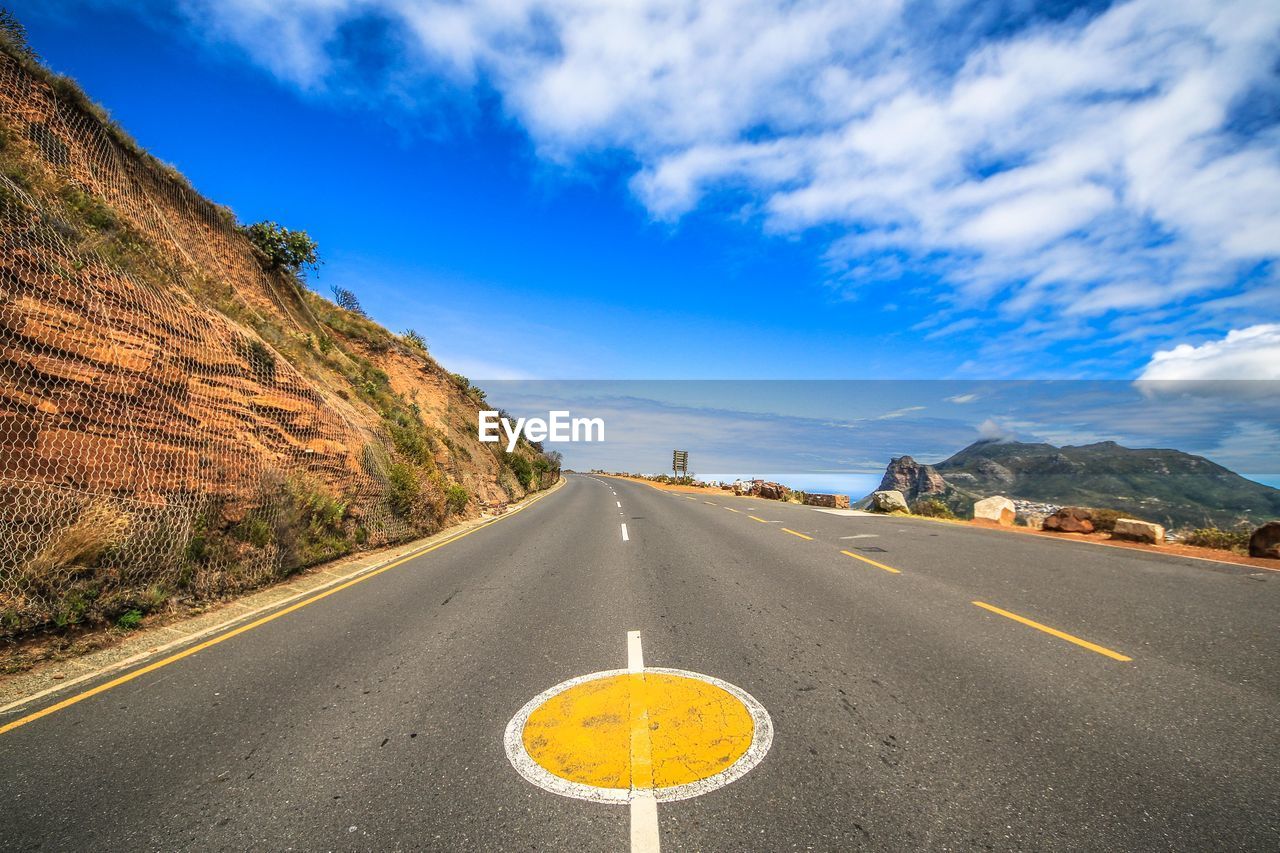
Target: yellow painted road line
x: 871, y: 562
x: 731, y: 509
x: 1059, y: 634
x: 761, y: 520
x: 793, y: 533
x: 199, y: 647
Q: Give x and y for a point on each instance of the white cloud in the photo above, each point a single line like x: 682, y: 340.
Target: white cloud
x: 898, y: 413
x: 992, y: 430
x: 1252, y: 353
x: 1087, y: 167
x: 961, y: 399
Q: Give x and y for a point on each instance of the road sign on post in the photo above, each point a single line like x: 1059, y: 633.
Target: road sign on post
x: 680, y: 463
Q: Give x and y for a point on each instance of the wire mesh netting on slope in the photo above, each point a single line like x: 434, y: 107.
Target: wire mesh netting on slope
x: 151, y: 444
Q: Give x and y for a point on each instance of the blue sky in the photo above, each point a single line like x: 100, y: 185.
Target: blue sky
x: 818, y: 189
x: 756, y: 190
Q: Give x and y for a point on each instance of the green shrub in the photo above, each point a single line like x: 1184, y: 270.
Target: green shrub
x: 456, y: 497
x: 417, y: 496
x: 415, y: 340
x: 402, y: 489
x: 522, y: 469
x: 932, y: 508
x: 312, y: 526
x: 1105, y: 519
x: 282, y: 249
x: 129, y: 620
x: 1234, y: 539
x: 410, y: 440
x: 253, y: 529
x: 300, y: 518
x: 88, y: 208
x: 155, y: 597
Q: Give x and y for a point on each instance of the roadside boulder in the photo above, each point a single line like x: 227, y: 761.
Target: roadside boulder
x: 1138, y: 531
x: 832, y: 501
x: 998, y: 509
x: 888, y: 501
x: 1070, y: 519
x: 771, y: 491
x: 1265, y: 541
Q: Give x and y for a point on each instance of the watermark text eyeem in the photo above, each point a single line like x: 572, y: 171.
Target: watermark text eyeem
x: 558, y: 426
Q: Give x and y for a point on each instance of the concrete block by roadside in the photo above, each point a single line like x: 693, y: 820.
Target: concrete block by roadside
x: 1138, y: 531
x: 890, y: 500
x: 997, y: 508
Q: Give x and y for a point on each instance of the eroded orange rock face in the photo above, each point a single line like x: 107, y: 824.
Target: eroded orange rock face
x: 160, y: 392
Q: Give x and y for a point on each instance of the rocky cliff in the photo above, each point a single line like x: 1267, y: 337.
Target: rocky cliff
x: 176, y: 419
x: 912, y: 478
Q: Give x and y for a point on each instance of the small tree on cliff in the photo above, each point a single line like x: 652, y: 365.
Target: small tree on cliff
x: 347, y: 300
x: 14, y: 34
x: 283, y: 249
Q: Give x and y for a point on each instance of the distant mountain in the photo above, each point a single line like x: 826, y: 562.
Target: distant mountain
x: 1167, y: 486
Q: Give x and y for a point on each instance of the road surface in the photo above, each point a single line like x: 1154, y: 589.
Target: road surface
x: 904, y: 714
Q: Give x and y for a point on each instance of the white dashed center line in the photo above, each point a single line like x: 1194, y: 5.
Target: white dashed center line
x: 644, y: 806
x: 625, y: 537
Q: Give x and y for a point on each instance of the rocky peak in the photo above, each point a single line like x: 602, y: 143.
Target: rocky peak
x: 912, y: 478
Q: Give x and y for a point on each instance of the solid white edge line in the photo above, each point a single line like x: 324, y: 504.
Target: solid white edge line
x: 625, y: 537
x: 635, y: 652
x: 644, y: 823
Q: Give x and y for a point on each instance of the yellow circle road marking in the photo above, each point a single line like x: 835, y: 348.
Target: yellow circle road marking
x: 584, y: 734
x: 696, y: 730
x: 607, y: 735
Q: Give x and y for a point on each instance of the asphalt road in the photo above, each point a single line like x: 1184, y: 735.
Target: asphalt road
x: 905, y: 716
